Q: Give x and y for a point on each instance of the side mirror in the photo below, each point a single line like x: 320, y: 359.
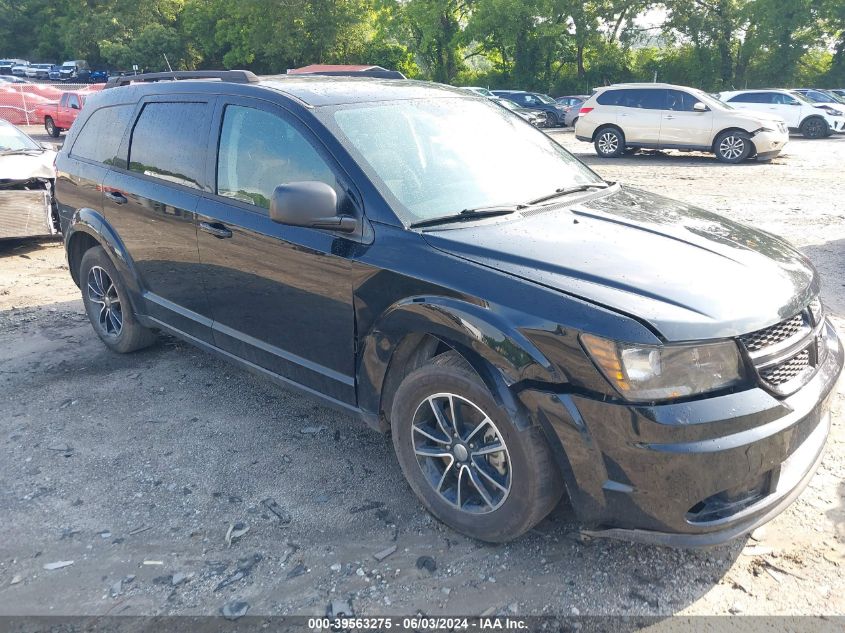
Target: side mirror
x: 699, y: 107
x: 73, y: 106
x: 309, y: 203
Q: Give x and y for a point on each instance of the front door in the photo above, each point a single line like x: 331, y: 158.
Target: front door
x: 151, y: 203
x: 280, y: 296
x: 681, y: 124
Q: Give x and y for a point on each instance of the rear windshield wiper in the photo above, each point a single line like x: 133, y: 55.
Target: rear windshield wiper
x: 470, y: 214
x: 567, y: 190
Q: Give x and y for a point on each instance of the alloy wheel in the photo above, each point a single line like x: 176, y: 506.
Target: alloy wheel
x: 815, y: 128
x: 461, y: 453
x: 103, y: 292
x: 608, y: 143
x: 732, y: 147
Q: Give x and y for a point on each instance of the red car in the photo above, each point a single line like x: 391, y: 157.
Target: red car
x: 58, y: 117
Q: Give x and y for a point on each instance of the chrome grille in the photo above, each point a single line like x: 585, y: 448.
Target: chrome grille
x: 774, y: 334
x: 788, y: 370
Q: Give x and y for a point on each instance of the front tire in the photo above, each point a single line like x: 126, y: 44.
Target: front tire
x: 814, y: 127
x: 610, y: 142
x: 465, y: 459
x: 733, y: 146
x: 51, y: 128
x: 107, y: 304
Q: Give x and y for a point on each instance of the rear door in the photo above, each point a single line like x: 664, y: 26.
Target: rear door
x: 640, y: 113
x: 80, y: 172
x: 681, y: 124
x: 151, y: 202
x: 281, y: 296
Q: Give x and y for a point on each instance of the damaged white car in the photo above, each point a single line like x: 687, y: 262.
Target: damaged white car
x: 27, y: 179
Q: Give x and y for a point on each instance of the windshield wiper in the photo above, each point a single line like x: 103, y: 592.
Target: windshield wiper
x: 567, y: 190
x: 10, y: 152
x: 470, y: 214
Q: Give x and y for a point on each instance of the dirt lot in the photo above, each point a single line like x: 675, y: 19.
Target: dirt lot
x: 135, y: 467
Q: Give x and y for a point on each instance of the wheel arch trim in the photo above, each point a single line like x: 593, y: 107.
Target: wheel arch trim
x: 500, y: 354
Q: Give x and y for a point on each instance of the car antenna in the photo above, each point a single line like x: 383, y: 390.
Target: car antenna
x: 168, y: 64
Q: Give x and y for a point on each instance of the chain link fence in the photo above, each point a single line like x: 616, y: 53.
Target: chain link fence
x: 19, y: 102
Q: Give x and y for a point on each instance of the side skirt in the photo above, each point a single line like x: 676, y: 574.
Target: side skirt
x: 369, y: 418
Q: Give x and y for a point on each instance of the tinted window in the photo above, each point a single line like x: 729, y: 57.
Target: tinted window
x: 680, y: 101
x: 166, y: 143
x: 100, y: 139
x: 260, y: 151
x: 752, y: 97
x: 782, y: 99
x: 609, y: 97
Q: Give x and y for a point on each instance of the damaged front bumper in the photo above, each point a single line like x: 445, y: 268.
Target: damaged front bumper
x: 26, y: 209
x: 690, y: 474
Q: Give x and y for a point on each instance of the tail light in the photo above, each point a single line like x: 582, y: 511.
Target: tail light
x: 584, y: 111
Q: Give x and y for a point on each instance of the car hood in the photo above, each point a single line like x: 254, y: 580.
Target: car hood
x: 688, y: 273
x: 24, y: 166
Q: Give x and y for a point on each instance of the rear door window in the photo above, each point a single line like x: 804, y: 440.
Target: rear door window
x: 751, y: 97
x: 100, y: 137
x: 260, y: 151
x: 165, y: 143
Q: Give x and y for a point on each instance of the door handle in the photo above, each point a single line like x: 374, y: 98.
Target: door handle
x: 668, y: 117
x: 116, y: 197
x: 216, y: 229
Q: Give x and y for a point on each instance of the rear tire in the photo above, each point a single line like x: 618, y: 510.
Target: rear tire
x: 814, y: 127
x: 107, y: 304
x: 51, y: 128
x: 733, y: 146
x: 494, y: 495
x: 610, y: 142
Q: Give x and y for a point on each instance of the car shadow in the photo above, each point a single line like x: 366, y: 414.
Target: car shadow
x: 26, y: 245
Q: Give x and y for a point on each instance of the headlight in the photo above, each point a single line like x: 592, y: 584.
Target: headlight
x: 643, y: 372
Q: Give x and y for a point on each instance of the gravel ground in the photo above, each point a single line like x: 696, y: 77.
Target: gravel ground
x: 137, y: 468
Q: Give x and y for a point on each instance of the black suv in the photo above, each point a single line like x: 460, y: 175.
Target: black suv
x: 523, y: 328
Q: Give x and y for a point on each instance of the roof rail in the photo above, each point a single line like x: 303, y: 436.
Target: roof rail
x: 232, y: 76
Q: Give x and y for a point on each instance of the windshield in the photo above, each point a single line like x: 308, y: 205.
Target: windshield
x: 711, y: 102
x: 436, y: 157
x: 482, y: 91
x: 545, y: 98
x: 12, y: 139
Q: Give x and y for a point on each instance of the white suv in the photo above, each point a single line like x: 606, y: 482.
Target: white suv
x: 799, y: 113
x: 623, y: 118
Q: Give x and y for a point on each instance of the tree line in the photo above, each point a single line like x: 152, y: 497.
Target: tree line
x: 555, y: 46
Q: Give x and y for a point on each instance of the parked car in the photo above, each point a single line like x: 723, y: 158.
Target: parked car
x: 536, y: 118
x: 75, y: 70
x: 58, y: 116
x: 839, y: 92
x: 800, y: 114
x: 623, y: 118
x: 11, y: 79
x: 484, y: 92
x: 535, y: 101
x: 98, y: 76
x: 572, y: 105
x: 56, y: 73
x: 38, y: 71
x: 7, y: 64
x: 522, y: 327
x: 827, y: 100
x: 19, y: 69
x: 27, y: 179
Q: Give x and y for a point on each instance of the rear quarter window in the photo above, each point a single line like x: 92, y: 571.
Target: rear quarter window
x: 100, y: 137
x: 609, y: 97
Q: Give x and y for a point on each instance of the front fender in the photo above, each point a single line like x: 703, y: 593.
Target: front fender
x: 499, y: 353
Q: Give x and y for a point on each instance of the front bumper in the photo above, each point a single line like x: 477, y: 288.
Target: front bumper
x: 689, y: 474
x: 770, y: 144
x: 837, y: 124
